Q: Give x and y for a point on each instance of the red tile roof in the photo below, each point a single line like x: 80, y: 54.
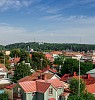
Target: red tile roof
x: 49, y: 69
x: 28, y: 86
x: 65, y: 94
x: 10, y: 86
x: 89, y: 81
x: 3, y: 66
x: 48, y: 56
x: 56, y: 52
x: 91, y: 88
x: 35, y: 75
x: 65, y: 77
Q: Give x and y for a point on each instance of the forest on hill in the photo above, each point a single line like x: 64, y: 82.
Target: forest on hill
x: 41, y: 46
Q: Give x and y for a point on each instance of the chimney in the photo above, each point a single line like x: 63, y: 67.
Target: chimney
x: 88, y: 76
x: 75, y: 74
x: 39, y: 77
x: 44, y: 77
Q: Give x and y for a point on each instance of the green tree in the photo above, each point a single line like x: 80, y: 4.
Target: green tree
x: 59, y: 60
x: 38, y: 61
x: 86, y: 66
x: 4, y: 96
x: 72, y: 65
x: 83, y: 96
x: 74, y: 88
x: 21, y: 70
x: 24, y: 56
x: 15, y: 53
x: 74, y: 84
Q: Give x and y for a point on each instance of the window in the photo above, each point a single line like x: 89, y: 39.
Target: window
x: 33, y: 93
x: 19, y: 92
x: 50, y: 91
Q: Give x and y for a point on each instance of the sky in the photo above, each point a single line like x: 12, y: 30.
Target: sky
x: 52, y: 21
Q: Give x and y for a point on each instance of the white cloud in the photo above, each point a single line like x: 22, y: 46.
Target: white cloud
x: 53, y: 17
x: 16, y: 4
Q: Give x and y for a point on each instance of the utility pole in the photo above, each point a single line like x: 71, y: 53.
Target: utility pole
x: 79, y: 80
x: 4, y: 59
x: 79, y: 74
x: 41, y: 62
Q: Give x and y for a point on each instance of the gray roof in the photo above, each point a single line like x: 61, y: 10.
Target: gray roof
x: 91, y: 71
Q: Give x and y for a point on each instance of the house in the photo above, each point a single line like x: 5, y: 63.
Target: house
x: 87, y: 78
x: 9, y: 90
x: 3, y: 71
x: 49, y: 57
x: 73, y: 55
x: 66, y: 77
x: 7, y: 53
x: 56, y: 54
x: 91, y: 72
x: 13, y: 61
x: 49, y: 70
x: 3, y: 77
x: 39, y: 90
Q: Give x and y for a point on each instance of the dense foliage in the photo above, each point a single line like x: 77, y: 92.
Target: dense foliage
x: 74, y: 88
x: 38, y: 61
x: 21, y: 70
x: 2, y: 47
x: 59, y: 60
x: 4, y: 96
x: 83, y: 96
x: 51, y: 46
x: 15, y: 53
x: 72, y: 65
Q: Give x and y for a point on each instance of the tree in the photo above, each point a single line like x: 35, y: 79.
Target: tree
x: 72, y: 65
x: 21, y: 70
x: 83, y: 96
x: 15, y: 53
x: 74, y: 86
x: 4, y: 96
x: 38, y: 61
x: 59, y: 60
x: 24, y: 56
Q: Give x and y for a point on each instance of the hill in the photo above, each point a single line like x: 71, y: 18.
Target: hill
x: 40, y: 46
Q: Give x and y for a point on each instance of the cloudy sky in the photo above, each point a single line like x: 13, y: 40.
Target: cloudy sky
x: 60, y: 21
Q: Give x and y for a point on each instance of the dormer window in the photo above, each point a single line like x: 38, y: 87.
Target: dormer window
x: 50, y: 91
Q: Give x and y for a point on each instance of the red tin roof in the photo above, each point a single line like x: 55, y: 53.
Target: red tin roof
x: 28, y: 86
x: 42, y: 86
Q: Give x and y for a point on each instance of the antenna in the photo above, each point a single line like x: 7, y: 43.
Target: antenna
x: 34, y: 38
x: 4, y: 58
